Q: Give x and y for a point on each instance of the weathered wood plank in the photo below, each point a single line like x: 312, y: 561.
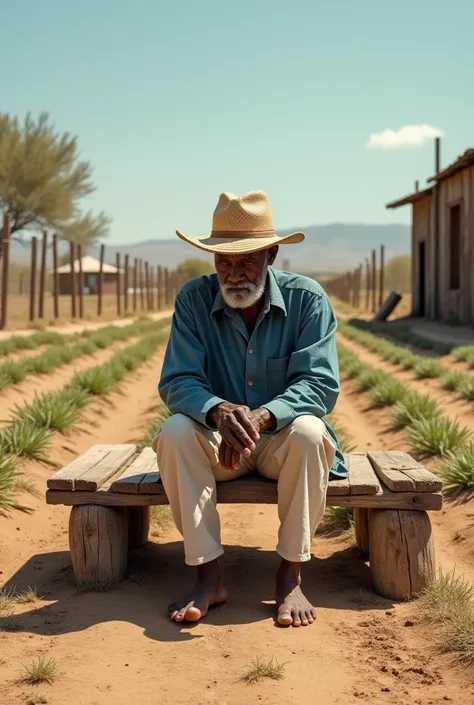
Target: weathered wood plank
x: 401, y: 473
x: 133, y: 475
x: 337, y: 488
x: 362, y: 478
x: 65, y: 478
x: 108, y: 466
x: 151, y: 484
x: 251, y: 491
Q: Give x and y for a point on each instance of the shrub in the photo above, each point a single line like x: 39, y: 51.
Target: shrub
x: 462, y: 353
x: 386, y: 392
x: 436, y: 436
x: 96, y: 380
x: 368, y: 378
x: 414, y: 406
x: 457, y: 470
x: 56, y: 411
x: 428, y: 368
x: 7, y: 485
x: 466, y: 388
x: 23, y: 437
x: 451, y: 380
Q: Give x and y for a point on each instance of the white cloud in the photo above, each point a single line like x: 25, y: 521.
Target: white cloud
x: 406, y: 136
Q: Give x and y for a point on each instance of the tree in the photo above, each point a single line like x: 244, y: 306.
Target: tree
x: 195, y: 267
x: 42, y: 181
x: 398, y: 273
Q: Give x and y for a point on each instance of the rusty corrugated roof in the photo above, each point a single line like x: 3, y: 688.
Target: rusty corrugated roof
x: 462, y: 162
x: 411, y: 198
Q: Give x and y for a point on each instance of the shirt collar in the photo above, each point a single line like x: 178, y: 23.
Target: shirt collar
x: 273, y: 297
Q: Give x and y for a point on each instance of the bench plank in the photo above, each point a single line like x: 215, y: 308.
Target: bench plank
x: 107, y: 466
x: 137, y: 471
x: 402, y: 473
x: 362, y: 478
x: 251, y: 490
x: 65, y: 478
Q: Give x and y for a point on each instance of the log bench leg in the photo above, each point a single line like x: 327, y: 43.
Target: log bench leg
x: 98, y: 540
x: 361, y: 528
x: 401, y: 549
x: 138, y: 525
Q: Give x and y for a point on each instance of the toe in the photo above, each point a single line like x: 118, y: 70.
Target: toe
x: 173, y: 614
x: 285, y: 618
x: 193, y: 614
x: 303, y: 619
x: 296, y: 619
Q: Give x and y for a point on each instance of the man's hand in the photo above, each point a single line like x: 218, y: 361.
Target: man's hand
x: 239, y: 428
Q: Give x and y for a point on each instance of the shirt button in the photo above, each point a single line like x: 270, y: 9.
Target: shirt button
x: 250, y: 351
x: 250, y: 383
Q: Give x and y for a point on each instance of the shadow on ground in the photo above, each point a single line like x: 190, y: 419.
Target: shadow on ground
x: 157, y: 575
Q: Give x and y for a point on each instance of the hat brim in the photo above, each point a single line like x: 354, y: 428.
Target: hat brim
x: 239, y: 245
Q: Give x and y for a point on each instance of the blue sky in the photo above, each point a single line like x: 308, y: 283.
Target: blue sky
x: 175, y: 101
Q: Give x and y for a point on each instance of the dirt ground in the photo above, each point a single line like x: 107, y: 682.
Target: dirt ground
x: 118, y: 646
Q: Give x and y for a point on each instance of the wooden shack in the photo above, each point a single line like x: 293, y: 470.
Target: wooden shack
x: 443, y: 243
x: 90, y: 276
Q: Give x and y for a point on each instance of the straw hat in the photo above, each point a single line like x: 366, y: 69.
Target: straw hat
x: 241, y: 224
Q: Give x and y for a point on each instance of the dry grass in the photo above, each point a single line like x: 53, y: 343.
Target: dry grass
x: 27, y: 596
x: 26, y: 484
x: 40, y: 670
x: 260, y: 668
x: 448, y: 604
x: 35, y: 699
x: 160, y: 518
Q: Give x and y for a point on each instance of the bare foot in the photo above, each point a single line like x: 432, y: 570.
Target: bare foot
x: 293, y: 607
x: 208, y: 591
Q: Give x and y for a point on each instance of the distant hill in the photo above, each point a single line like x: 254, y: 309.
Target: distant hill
x: 328, y: 248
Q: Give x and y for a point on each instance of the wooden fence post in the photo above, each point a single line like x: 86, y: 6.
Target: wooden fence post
x: 118, y: 291
x: 152, y: 287
x: 368, y: 284
x: 5, y: 270
x: 147, y: 286
x: 140, y: 276
x: 374, y: 280
x: 44, y: 250
x: 80, y: 283
x: 159, y: 284
x: 55, y: 277
x: 167, y: 287
x: 72, y: 252
x: 381, y: 280
x: 125, y: 284
x: 135, y: 283
x: 34, y: 252
x: 101, y: 280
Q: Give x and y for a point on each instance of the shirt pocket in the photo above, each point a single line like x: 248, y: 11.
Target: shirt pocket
x: 277, y: 372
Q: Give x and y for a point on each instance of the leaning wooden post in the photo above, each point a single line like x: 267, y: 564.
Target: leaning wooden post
x: 101, y: 280
x: 125, y: 284
x: 5, y: 270
x: 118, y: 292
x: 381, y: 280
x: 34, y: 252
x: 374, y: 280
x: 72, y: 252
x: 55, y: 277
x: 80, y: 285
x: 42, y: 279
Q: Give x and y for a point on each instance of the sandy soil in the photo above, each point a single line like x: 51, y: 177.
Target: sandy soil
x: 118, y: 646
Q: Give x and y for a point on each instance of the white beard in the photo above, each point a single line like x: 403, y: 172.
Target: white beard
x: 246, y: 294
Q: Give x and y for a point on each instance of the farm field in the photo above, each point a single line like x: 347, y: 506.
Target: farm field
x: 101, y: 647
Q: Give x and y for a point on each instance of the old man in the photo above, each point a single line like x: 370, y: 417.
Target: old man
x: 249, y: 375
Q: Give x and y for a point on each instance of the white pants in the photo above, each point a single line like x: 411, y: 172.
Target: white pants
x: 299, y: 457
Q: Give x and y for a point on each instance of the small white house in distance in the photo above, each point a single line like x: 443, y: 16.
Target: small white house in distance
x: 90, y: 276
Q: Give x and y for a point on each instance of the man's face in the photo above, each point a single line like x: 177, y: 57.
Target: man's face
x: 242, y: 277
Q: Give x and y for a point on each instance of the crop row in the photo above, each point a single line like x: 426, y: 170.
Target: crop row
x: 402, y: 333
x: 31, y: 430
x: 14, y: 372
x: 430, y: 433
x: 423, y: 367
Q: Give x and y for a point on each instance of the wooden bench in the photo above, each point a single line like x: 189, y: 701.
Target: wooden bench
x: 111, y: 488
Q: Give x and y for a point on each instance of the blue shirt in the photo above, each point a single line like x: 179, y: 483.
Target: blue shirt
x: 288, y: 364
